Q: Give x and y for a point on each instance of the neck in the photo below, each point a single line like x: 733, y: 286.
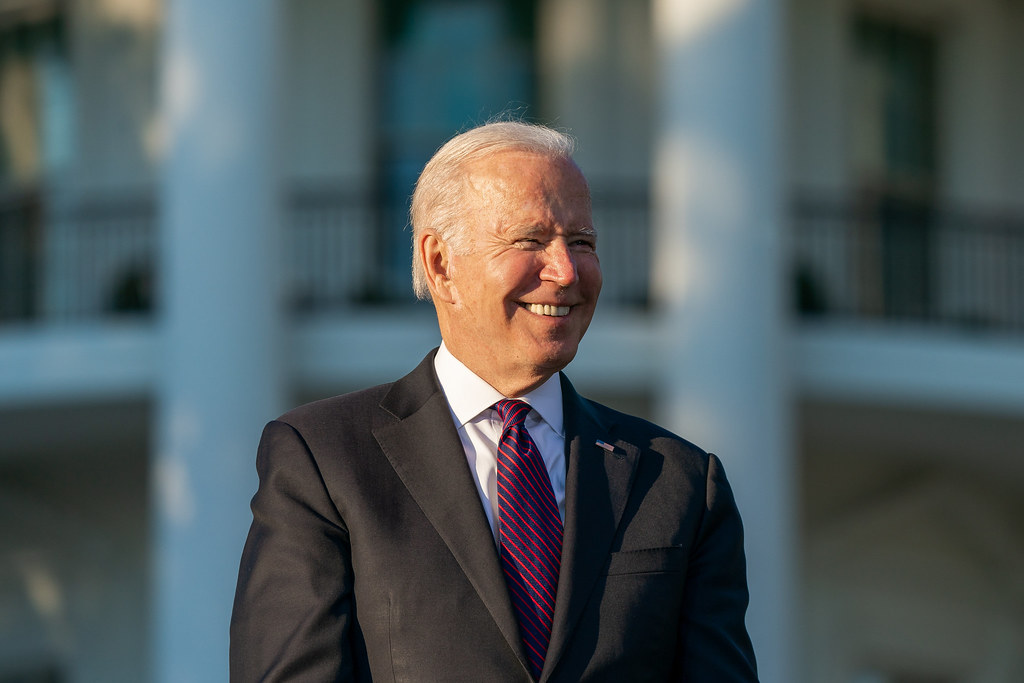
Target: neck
x: 508, y: 382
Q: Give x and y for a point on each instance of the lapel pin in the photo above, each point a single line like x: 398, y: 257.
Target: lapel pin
x: 607, y: 446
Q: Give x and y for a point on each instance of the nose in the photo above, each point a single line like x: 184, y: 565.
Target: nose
x: 560, y: 264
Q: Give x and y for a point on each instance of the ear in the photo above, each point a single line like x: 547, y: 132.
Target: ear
x: 436, y: 258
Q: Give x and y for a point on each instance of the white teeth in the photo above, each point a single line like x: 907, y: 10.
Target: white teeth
x: 545, y: 309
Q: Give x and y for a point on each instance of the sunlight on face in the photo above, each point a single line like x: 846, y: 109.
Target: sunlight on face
x: 525, y: 289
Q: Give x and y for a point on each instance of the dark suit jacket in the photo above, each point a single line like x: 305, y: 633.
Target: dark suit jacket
x: 370, y: 557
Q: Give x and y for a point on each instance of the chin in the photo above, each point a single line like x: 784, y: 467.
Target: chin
x: 556, y: 359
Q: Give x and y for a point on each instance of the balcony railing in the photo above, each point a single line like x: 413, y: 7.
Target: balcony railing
x: 20, y: 230
x: 96, y: 258
x: 71, y: 263
x: 877, y: 260
x: 347, y: 250
x: 897, y: 260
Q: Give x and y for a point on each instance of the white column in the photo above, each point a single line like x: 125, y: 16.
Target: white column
x: 719, y: 278
x: 220, y: 306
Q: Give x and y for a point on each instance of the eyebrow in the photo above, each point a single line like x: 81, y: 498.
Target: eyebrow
x: 534, y: 229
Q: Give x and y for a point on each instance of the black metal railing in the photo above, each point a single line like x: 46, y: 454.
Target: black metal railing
x: 881, y: 260
x: 343, y: 248
x: 885, y: 258
x: 74, y: 262
x: 106, y: 251
x: 623, y: 219
x: 333, y: 248
x: 21, y: 225
x: 346, y: 249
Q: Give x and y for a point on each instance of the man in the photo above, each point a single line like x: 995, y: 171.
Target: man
x: 431, y: 530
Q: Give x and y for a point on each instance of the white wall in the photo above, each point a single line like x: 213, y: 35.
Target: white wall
x: 817, y: 100
x: 114, y: 50
x: 911, y: 572
x: 596, y: 69
x: 74, y: 565
x: 329, y: 91
x: 979, y: 105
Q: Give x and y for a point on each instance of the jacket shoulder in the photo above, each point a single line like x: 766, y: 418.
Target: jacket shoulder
x: 369, y: 407
x: 644, y: 432
x: 335, y: 410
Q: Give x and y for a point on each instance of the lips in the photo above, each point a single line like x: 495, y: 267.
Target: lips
x: 547, y: 309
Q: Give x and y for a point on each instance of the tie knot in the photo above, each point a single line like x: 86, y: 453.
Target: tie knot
x: 512, y: 412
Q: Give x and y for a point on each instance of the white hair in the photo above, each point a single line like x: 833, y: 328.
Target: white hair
x: 437, y: 199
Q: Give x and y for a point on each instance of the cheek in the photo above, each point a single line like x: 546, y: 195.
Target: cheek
x: 515, y: 276
x: 589, y: 270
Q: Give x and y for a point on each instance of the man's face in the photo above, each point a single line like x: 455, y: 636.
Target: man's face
x: 524, y: 291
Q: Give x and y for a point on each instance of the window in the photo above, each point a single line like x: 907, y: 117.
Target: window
x: 447, y: 65
x: 895, y: 159
x: 35, y: 99
x: 35, y: 142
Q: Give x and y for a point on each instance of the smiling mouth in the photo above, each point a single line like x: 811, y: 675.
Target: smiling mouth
x: 545, y: 309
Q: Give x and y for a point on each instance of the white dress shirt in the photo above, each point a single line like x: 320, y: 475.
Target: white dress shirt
x: 470, y: 399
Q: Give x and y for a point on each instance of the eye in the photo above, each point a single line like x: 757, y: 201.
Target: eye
x: 528, y: 242
x: 585, y: 243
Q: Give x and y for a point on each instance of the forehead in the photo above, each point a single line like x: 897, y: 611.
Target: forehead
x: 519, y: 183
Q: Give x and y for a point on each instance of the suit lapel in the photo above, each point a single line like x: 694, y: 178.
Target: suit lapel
x: 598, y: 482
x: 424, y: 449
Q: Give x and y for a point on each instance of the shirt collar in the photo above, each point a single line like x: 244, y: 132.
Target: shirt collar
x: 468, y: 395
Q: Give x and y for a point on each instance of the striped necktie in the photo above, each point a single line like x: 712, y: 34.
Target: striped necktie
x: 530, y: 531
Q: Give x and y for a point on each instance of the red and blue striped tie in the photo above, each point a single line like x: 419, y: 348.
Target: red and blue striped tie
x: 530, y: 531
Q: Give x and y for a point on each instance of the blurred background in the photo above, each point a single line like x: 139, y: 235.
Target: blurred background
x: 811, y: 219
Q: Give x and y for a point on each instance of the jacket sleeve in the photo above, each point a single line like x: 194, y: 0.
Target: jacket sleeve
x: 713, y: 644
x: 293, y: 616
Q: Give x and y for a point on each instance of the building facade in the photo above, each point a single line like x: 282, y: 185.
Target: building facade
x: 811, y: 219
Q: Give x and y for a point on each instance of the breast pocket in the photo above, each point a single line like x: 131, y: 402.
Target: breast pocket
x: 670, y: 559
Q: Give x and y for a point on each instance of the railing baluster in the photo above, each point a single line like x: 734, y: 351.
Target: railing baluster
x: 852, y: 259
x: 910, y: 263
